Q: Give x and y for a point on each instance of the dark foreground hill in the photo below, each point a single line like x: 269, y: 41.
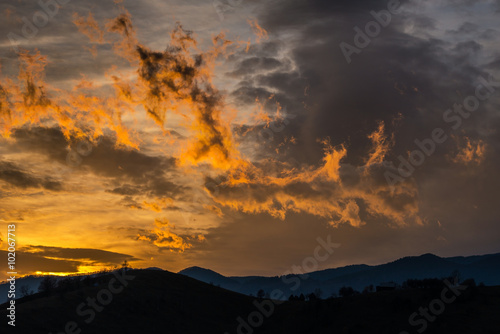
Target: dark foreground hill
x: 162, y: 302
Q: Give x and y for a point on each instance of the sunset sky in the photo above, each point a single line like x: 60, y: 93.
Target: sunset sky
x: 232, y: 134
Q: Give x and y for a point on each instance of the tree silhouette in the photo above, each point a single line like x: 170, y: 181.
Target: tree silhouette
x: 456, y: 276
x: 261, y: 293
x: 346, y: 291
x: 25, y: 290
x: 47, y: 285
x: 312, y: 297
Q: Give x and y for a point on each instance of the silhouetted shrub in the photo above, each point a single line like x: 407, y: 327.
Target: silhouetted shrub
x: 368, y: 289
x: 311, y: 297
x: 470, y: 283
x: 346, y: 291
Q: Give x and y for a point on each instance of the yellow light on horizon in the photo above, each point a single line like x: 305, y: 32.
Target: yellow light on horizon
x: 44, y: 273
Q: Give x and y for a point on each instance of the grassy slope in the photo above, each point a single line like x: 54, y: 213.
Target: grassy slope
x: 162, y: 302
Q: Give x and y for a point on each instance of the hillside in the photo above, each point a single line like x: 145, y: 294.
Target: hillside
x: 166, y: 302
x: 163, y: 302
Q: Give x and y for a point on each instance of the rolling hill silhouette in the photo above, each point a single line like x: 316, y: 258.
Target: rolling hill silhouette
x: 157, y: 301
x: 483, y: 268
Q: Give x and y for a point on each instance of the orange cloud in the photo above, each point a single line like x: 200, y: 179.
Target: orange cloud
x: 159, y: 204
x: 259, y: 32
x: 78, y: 112
x: 89, y: 27
x: 127, y: 44
x: 214, y: 209
x: 176, y: 80
x: 333, y: 191
x: 381, y: 145
x: 163, y: 237
x: 471, y: 152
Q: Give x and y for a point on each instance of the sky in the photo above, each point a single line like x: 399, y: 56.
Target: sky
x: 234, y: 134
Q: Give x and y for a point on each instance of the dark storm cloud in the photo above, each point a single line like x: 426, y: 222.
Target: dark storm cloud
x: 465, y: 28
x: 422, y: 22
x: 46, y: 141
x: 133, y: 172
x: 489, y: 34
x: 33, y: 262
x: 396, y: 76
x: 64, y: 260
x: 108, y: 160
x: 401, y: 79
x: 104, y: 158
x: 95, y: 255
x: 126, y: 190
x: 148, y: 174
x: 495, y: 64
x: 19, y: 178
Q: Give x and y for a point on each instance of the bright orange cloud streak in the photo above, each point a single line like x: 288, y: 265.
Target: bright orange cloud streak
x: 471, y: 152
x: 381, y: 145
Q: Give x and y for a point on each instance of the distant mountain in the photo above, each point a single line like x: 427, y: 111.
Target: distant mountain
x: 157, y: 301
x: 483, y: 268
x: 327, y: 274
x: 209, y: 276
x: 30, y: 283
